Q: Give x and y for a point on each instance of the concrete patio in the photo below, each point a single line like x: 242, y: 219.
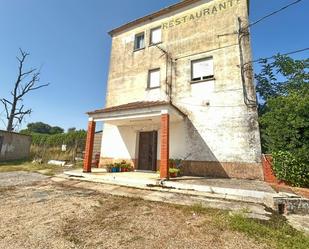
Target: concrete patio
x: 232, y: 189
x: 239, y: 190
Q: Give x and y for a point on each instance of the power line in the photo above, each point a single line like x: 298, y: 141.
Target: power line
x: 272, y: 57
x: 262, y: 18
x: 273, y: 13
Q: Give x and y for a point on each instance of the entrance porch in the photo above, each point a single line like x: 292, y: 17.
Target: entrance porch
x: 138, y: 132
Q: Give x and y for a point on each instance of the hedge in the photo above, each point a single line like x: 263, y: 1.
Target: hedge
x: 71, y: 139
x: 291, y: 169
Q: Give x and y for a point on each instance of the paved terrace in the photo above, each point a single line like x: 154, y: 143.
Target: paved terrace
x: 230, y: 189
x: 239, y: 190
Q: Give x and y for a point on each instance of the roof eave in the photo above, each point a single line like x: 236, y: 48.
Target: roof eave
x: 152, y: 16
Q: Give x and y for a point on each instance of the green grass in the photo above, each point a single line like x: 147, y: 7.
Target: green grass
x: 45, y: 169
x: 275, y: 233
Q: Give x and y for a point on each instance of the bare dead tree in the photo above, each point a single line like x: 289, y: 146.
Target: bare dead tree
x: 27, y: 81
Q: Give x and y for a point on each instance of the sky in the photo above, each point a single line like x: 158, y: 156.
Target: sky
x: 68, y: 40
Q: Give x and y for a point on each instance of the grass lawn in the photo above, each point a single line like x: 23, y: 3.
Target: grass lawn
x: 43, y: 168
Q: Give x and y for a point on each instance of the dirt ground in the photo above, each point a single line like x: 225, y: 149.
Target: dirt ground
x: 46, y: 214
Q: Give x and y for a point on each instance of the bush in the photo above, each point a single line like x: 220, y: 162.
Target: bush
x: 48, y: 147
x: 71, y: 139
x: 289, y: 168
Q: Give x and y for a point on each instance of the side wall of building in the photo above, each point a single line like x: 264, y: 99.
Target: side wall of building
x: 14, y: 146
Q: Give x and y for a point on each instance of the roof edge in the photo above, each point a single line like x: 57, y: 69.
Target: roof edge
x: 153, y: 15
x: 158, y: 13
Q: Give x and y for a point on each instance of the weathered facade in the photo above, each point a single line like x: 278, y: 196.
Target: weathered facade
x: 180, y: 86
x: 14, y: 146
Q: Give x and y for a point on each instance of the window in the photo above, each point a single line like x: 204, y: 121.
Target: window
x: 154, y: 78
x: 139, y: 41
x: 202, y: 69
x: 155, y: 35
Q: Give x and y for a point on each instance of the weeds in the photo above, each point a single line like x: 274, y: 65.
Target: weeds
x: 276, y: 232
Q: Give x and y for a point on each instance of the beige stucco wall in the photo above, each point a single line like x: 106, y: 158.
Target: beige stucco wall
x: 219, y: 126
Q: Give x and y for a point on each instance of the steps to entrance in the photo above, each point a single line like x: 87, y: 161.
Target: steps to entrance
x: 282, y: 202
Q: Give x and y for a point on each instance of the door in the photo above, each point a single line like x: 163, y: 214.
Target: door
x: 147, y: 153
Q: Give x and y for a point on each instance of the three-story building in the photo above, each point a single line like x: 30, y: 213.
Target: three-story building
x: 180, y: 86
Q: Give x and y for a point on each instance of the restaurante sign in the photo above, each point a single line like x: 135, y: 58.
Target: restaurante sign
x: 201, y: 13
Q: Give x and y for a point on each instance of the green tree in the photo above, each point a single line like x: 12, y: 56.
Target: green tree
x: 42, y: 128
x: 56, y: 130
x: 284, y: 115
x: 38, y: 127
x: 279, y: 78
x: 285, y: 123
x: 71, y: 129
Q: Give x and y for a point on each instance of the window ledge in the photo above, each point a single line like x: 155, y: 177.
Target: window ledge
x: 138, y: 49
x: 152, y: 88
x: 203, y: 80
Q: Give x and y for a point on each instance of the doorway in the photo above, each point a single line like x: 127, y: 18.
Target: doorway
x: 147, y: 152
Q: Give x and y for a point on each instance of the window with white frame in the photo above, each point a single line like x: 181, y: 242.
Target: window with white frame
x: 155, y: 35
x: 154, y: 78
x: 139, y: 41
x: 202, y: 69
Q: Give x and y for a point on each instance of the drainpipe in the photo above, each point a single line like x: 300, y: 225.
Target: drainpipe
x: 167, y: 84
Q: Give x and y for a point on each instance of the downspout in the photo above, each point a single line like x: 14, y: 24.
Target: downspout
x: 248, y: 102
x: 168, y: 85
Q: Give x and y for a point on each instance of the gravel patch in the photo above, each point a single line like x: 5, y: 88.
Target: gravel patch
x: 53, y: 215
x: 10, y: 179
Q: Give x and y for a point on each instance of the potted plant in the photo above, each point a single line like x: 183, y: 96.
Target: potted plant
x: 123, y: 167
x: 115, y: 167
x: 109, y: 167
x: 118, y: 167
x: 129, y: 167
x: 173, y: 172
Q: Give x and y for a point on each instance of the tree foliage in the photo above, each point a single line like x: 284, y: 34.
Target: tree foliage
x: 72, y: 139
x: 290, y: 168
x: 42, y: 128
x: 281, y: 77
x: 284, y: 117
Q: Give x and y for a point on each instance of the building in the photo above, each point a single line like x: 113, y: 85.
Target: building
x: 14, y: 146
x: 180, y: 86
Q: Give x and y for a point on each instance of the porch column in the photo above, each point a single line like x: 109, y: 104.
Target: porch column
x: 164, y: 161
x: 89, y: 146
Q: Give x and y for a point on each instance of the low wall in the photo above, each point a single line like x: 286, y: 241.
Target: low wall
x: 269, y: 175
x: 14, y: 146
x: 97, y: 143
x: 207, y: 169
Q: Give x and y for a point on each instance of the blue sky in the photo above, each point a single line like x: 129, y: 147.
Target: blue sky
x: 69, y: 39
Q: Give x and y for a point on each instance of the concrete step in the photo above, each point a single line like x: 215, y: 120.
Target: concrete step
x: 280, y: 202
x: 252, y: 210
x: 211, y: 192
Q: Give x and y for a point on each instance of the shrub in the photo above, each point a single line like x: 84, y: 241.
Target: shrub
x: 173, y: 170
x: 72, y: 139
x: 289, y: 168
x: 48, y: 147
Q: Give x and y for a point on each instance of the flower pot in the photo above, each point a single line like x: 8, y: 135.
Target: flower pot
x: 173, y: 175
